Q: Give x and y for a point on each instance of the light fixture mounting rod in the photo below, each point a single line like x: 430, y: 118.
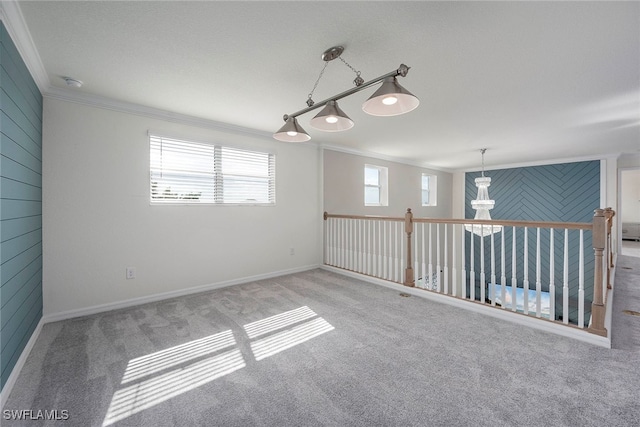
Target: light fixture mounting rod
x: 402, y: 70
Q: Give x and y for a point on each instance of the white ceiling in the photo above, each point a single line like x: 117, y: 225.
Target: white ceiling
x: 530, y: 81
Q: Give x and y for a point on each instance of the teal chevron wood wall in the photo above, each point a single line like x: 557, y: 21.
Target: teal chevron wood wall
x: 566, y: 192
x: 20, y: 205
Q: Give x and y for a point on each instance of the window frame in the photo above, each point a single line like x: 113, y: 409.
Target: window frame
x: 215, y: 177
x: 432, y: 189
x: 382, y: 186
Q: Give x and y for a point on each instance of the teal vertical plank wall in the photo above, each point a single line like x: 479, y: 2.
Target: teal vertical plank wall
x: 566, y: 192
x: 20, y: 205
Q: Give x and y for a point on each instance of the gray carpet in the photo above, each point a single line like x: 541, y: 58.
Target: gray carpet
x: 345, y: 353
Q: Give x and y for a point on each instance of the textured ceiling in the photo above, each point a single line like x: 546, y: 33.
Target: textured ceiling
x: 530, y: 81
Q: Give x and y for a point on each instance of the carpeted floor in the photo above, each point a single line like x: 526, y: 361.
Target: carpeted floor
x: 321, y: 349
x: 631, y: 248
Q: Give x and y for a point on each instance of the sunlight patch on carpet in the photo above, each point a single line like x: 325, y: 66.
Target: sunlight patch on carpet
x: 280, y: 341
x: 270, y: 324
x: 161, y: 360
x: 140, y: 396
x: 157, y: 377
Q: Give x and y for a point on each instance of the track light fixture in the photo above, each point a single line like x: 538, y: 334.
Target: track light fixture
x: 390, y: 99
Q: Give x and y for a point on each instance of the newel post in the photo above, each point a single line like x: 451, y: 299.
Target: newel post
x: 599, y: 233
x: 408, y: 228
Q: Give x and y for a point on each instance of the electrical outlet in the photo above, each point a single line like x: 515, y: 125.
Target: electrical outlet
x: 131, y: 273
x: 292, y: 251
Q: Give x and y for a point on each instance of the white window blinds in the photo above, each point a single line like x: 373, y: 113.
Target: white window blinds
x: 196, y: 173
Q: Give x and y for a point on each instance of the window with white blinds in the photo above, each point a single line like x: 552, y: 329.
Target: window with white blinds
x: 196, y: 173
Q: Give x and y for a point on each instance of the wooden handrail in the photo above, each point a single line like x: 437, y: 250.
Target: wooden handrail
x: 372, y: 217
x: 510, y: 223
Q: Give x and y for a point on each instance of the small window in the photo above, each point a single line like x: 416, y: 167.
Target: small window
x: 375, y: 186
x: 429, y: 196
x: 195, y: 173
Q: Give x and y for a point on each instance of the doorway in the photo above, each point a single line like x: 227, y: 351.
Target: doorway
x: 629, y: 211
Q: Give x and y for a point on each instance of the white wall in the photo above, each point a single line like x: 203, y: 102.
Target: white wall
x: 630, y: 195
x: 97, y: 219
x: 344, y: 187
x: 626, y: 162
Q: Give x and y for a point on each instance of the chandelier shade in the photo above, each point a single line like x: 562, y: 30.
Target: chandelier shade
x: 482, y: 205
x: 390, y: 99
x: 331, y: 119
x: 291, y: 132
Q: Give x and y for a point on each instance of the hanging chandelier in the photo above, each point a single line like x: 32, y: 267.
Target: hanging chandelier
x: 482, y: 205
x: 390, y: 99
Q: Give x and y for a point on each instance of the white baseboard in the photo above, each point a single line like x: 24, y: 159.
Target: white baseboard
x: 8, y: 386
x: 521, y: 319
x: 54, y: 317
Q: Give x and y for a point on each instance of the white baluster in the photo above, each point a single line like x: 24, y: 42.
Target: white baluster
x: 454, y: 270
x: 525, y: 283
x: 446, y: 261
x: 351, y: 226
x: 363, y: 247
x: 333, y: 241
x: 429, y: 280
x: 354, y: 248
x: 374, y: 248
x: 399, y: 252
x: 482, y: 274
x: 581, y: 282
x: 346, y: 242
x: 552, y: 274
x: 380, y: 268
x: 538, y: 283
x: 438, y: 266
x: 385, y: 248
x: 492, y: 291
x: 354, y: 241
x: 367, y: 247
x: 371, y: 245
x: 514, y: 278
x: 391, y: 238
x: 363, y: 250
x: 334, y: 247
x: 338, y: 254
x: 423, y: 258
x: 463, y: 279
x: 359, y: 250
x: 327, y: 241
x: 503, y: 270
x: 565, y: 279
x: 415, y: 254
x: 472, y: 273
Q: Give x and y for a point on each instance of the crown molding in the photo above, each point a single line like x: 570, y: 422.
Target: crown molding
x: 373, y: 155
x: 542, y: 163
x: 97, y: 101
x: 16, y: 26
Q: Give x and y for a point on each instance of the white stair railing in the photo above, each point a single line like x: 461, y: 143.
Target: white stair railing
x: 438, y: 255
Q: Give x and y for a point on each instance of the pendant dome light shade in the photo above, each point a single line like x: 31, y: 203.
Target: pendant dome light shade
x: 332, y: 119
x: 291, y: 132
x: 390, y: 99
